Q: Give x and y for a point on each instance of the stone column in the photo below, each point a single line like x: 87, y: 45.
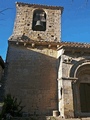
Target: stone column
x: 65, y: 96
x: 60, y: 98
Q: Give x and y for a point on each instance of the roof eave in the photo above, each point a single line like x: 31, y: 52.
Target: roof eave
x: 41, y: 6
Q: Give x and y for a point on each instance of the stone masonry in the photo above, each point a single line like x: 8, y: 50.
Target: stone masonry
x: 32, y: 60
x: 49, y: 76
x: 73, y: 80
x: 32, y: 77
x: 24, y: 17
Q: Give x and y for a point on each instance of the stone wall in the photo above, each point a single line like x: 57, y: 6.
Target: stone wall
x: 32, y: 78
x: 73, y: 65
x: 24, y: 18
x: 32, y: 71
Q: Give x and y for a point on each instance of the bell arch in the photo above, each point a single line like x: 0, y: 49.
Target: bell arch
x: 81, y: 88
x: 39, y: 20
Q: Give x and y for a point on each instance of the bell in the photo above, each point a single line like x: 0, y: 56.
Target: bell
x: 39, y: 25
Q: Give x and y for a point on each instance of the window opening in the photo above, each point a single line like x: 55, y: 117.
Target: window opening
x: 39, y: 20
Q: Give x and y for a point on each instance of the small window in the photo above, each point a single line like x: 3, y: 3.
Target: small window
x: 39, y: 20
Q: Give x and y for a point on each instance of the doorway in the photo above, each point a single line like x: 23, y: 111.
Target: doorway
x: 85, y: 97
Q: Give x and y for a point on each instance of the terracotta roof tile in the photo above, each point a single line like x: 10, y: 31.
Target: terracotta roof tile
x: 73, y: 44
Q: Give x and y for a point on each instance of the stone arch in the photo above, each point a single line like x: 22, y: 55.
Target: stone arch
x: 39, y: 17
x: 81, y: 88
x: 75, y: 68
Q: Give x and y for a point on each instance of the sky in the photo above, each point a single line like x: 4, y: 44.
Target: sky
x: 75, y: 20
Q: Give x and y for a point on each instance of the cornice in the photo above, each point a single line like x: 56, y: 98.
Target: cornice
x: 67, y: 46
x: 40, y: 6
x: 33, y: 43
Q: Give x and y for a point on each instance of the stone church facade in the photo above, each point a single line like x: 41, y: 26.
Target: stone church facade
x: 47, y: 74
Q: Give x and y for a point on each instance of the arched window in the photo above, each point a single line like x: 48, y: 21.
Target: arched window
x: 39, y: 20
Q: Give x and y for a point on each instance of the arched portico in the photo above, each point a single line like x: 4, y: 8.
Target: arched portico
x: 81, y: 88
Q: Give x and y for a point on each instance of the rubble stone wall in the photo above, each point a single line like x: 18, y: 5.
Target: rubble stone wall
x: 23, y: 23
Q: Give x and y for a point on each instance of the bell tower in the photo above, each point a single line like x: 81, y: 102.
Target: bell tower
x: 32, y: 58
x: 38, y: 22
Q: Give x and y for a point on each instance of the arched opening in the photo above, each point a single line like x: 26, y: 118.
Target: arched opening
x: 85, y: 97
x: 81, y: 91
x: 39, y: 20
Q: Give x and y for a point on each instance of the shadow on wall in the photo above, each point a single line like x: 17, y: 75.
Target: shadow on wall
x: 32, y: 77
x: 2, y: 67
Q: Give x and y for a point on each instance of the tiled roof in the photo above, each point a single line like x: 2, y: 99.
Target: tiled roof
x: 40, y: 6
x: 54, y: 43
x: 75, y: 45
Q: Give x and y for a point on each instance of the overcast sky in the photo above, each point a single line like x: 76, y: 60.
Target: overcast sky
x: 75, y: 20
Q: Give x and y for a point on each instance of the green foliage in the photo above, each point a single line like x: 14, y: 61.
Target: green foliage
x: 11, y: 107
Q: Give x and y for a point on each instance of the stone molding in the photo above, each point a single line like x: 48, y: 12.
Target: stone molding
x: 40, y: 6
x: 67, y: 78
x: 76, y: 66
x: 33, y: 44
x: 61, y: 45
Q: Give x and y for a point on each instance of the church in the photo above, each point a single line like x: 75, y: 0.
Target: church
x: 51, y: 77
